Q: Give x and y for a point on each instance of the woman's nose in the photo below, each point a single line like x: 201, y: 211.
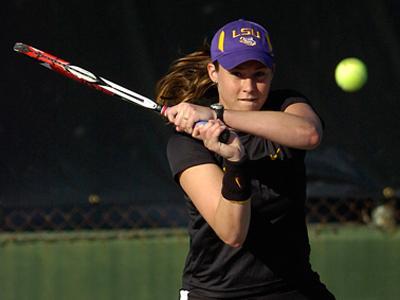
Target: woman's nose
x: 248, y: 84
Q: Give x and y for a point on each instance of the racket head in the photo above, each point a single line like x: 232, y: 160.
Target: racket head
x: 84, y: 76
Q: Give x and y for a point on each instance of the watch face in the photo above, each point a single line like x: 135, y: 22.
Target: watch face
x: 219, y: 110
x: 216, y: 106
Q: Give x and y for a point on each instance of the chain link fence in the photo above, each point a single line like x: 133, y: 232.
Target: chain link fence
x: 126, y: 216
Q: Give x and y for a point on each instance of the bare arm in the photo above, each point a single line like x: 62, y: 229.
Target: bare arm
x: 298, y: 126
x: 203, y: 184
x: 230, y: 220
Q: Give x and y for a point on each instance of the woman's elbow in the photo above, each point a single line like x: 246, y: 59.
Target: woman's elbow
x: 315, y: 138
x: 312, y: 137
x: 236, y: 240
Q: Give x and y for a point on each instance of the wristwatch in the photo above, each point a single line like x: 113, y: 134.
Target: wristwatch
x: 219, y: 110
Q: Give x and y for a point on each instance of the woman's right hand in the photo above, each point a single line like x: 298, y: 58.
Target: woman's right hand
x: 209, y: 133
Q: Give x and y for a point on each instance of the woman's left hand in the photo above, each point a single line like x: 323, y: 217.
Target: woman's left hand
x: 209, y: 133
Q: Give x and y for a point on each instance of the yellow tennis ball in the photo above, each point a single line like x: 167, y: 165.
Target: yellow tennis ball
x: 351, y: 74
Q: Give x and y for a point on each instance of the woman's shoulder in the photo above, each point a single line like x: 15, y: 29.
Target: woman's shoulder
x: 182, y: 141
x: 184, y: 152
x: 284, y: 93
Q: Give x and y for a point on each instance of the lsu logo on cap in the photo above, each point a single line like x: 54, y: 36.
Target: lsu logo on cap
x: 249, y: 41
x: 246, y: 32
x: 246, y: 35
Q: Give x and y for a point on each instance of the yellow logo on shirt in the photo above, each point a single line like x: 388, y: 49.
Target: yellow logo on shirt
x: 275, y: 155
x: 238, y: 182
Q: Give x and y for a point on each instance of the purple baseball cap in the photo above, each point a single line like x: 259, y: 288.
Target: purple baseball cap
x: 240, y: 41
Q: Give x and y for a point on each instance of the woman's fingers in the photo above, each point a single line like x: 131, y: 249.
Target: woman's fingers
x: 185, y: 115
x: 181, y: 116
x: 209, y: 133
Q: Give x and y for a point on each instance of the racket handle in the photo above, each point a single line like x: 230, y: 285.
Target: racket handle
x: 223, y: 137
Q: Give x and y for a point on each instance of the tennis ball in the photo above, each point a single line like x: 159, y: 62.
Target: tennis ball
x: 351, y: 74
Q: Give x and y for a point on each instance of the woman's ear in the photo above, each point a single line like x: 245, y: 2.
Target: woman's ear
x: 212, y: 72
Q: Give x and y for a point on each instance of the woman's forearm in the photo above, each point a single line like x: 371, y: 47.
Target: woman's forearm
x: 231, y: 221
x: 281, y: 127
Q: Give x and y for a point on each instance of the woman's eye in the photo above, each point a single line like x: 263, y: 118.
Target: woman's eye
x: 237, y: 74
x: 260, y: 74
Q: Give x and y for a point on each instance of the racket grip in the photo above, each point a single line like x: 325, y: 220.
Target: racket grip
x: 223, y: 137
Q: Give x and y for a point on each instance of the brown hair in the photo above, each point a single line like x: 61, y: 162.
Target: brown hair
x: 187, y: 80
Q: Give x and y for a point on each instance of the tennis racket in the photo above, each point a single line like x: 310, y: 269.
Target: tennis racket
x: 94, y: 81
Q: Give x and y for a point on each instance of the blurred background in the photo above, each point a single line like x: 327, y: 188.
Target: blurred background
x: 88, y: 208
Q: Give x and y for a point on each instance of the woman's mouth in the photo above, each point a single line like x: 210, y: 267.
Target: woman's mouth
x: 248, y: 99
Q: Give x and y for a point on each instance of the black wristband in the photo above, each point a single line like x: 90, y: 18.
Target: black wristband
x: 236, y: 183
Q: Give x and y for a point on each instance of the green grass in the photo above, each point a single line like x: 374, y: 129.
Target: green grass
x: 103, y: 267
x: 355, y: 262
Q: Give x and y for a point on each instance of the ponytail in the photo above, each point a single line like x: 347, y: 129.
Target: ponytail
x: 187, y: 80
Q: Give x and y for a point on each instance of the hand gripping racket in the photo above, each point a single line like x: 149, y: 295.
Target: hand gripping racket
x: 99, y: 83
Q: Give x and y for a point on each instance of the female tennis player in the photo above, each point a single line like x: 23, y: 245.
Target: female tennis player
x: 245, y: 197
